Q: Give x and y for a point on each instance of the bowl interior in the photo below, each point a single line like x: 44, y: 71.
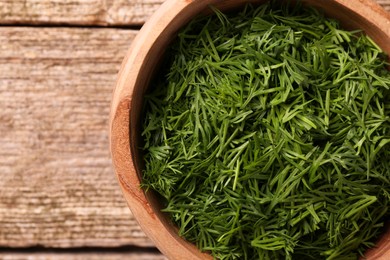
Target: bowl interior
x: 138, y: 70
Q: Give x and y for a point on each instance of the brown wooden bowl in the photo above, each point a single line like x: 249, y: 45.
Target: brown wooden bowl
x: 134, y: 77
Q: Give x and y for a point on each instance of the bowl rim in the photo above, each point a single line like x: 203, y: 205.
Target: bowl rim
x: 162, y: 25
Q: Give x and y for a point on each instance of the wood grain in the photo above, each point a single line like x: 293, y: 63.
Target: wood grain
x: 81, y: 256
x: 77, y: 12
x: 57, y: 187
x: 85, y: 12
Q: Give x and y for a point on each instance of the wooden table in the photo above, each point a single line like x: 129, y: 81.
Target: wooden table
x: 58, y: 195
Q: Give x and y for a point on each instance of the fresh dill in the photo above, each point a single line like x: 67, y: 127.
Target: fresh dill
x: 268, y: 136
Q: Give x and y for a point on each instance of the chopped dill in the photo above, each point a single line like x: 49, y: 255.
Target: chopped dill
x: 268, y: 136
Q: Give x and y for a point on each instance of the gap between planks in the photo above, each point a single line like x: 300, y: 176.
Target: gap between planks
x: 93, y: 253
x: 70, y: 255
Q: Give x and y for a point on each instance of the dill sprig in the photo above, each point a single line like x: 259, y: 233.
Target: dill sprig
x: 268, y: 136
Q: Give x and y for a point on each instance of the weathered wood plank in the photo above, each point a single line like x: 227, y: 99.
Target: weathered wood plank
x: 57, y: 187
x: 85, y: 12
x: 81, y: 256
x: 78, y: 12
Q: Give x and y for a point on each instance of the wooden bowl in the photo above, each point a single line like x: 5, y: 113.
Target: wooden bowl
x: 137, y: 70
